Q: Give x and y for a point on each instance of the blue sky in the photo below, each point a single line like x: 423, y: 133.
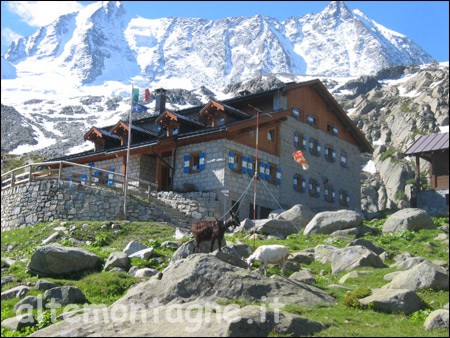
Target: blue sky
x: 425, y: 22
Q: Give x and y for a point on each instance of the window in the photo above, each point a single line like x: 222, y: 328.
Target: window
x: 194, y: 162
x: 312, y: 120
x: 235, y: 161
x: 296, y: 113
x: 299, y: 141
x: 271, y: 135
x: 299, y: 183
x: 314, y: 147
x: 220, y: 121
x: 344, y: 198
x: 344, y: 162
x: 314, y: 188
x: 332, y: 129
x: 329, y: 193
x: 330, y: 153
x: 271, y: 173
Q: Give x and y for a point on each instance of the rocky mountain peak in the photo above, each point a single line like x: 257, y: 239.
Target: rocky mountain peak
x: 336, y: 12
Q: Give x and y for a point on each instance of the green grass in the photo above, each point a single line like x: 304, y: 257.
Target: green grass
x: 340, y: 319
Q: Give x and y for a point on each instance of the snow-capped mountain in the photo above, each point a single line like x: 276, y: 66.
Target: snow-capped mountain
x: 77, y: 72
x: 103, y: 43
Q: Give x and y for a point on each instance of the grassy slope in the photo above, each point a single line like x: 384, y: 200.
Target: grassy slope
x: 341, y: 320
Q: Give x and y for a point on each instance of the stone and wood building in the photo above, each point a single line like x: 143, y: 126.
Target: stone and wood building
x: 432, y: 148
x: 212, y: 148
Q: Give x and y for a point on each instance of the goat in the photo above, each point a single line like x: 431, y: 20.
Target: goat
x: 275, y: 254
x: 213, y: 230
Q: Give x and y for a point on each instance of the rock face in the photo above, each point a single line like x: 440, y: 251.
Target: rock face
x: 56, y: 260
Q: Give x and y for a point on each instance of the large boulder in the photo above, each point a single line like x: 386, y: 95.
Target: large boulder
x: 408, y: 219
x: 55, y: 260
x: 276, y: 227
x: 300, y: 214
x: 437, y: 319
x: 185, y: 303
x: 352, y: 257
x: 395, y: 300
x: 184, y: 320
x: 327, y: 222
x: 117, y: 259
x: 423, y: 276
x: 65, y: 295
x: 205, y: 277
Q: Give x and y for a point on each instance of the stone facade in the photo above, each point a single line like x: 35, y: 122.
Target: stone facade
x: 217, y: 176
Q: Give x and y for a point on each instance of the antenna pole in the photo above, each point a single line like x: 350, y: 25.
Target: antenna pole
x: 256, y: 172
x: 125, y: 187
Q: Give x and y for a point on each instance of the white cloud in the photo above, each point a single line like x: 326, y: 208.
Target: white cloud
x: 9, y: 36
x: 42, y: 13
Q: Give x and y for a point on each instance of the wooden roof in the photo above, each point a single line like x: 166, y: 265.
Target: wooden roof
x: 95, y: 132
x: 191, y: 119
x: 428, y: 144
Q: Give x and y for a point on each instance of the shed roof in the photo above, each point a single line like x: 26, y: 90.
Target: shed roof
x: 428, y: 143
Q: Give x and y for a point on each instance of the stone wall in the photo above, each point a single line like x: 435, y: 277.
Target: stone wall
x: 197, y: 205
x: 45, y: 201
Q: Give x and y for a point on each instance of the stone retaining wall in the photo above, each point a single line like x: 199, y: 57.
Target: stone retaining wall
x: 45, y: 201
x: 197, y: 204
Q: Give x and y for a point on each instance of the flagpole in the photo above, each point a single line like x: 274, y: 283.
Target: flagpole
x: 125, y: 187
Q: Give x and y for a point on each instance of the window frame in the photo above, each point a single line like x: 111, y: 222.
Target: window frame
x: 192, y: 160
x: 312, y: 120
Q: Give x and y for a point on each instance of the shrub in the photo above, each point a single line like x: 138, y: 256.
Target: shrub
x: 351, y: 298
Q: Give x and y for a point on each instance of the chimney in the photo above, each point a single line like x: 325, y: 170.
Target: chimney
x: 160, y: 106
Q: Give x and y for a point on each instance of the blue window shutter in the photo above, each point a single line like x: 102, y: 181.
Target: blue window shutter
x: 319, y: 149
x: 304, y: 143
x: 244, y: 164
x: 295, y: 182
x: 335, y: 131
x: 344, y: 160
x: 303, y: 185
x: 92, y: 164
x: 231, y: 159
x: 311, y: 145
x: 268, y: 176
x: 278, y: 175
x: 262, y: 170
x: 250, y: 166
x: 202, y: 161
x: 296, y: 139
x: 111, y: 176
x: 186, y: 164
